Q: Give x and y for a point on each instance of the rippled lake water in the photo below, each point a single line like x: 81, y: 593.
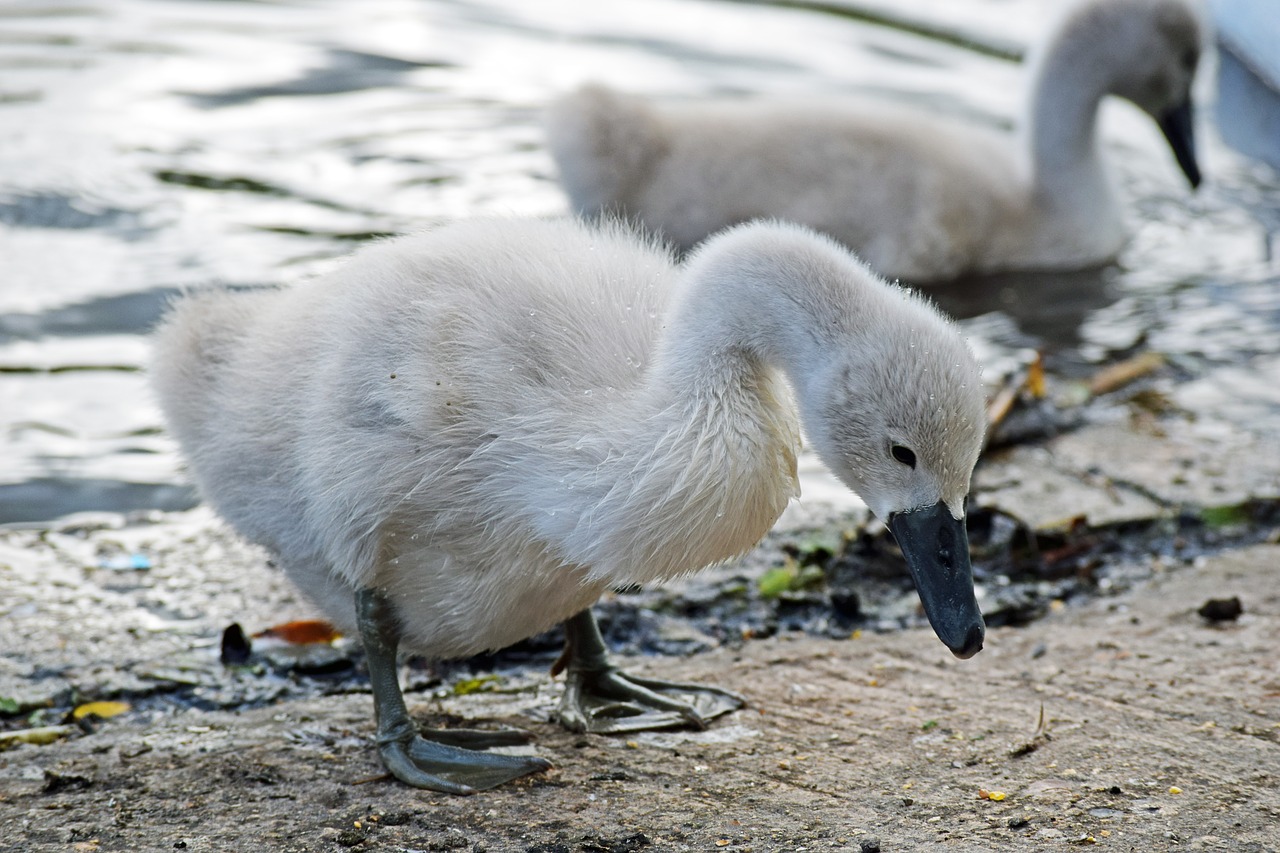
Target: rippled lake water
x: 147, y: 146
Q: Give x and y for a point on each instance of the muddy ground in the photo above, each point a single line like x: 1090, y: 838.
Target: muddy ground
x: 1104, y: 711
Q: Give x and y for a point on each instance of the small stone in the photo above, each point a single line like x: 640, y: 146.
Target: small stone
x: 870, y: 844
x: 55, y: 783
x: 349, y: 837
x: 1221, y: 609
x: 236, y: 648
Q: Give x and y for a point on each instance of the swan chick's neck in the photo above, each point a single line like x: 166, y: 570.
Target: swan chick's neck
x: 757, y: 298
x: 703, y: 459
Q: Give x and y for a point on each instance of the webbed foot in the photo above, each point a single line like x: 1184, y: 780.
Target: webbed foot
x: 450, y: 769
x: 600, y: 699
x: 435, y: 759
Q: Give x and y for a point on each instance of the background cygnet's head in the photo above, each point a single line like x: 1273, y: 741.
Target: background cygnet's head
x: 1146, y: 52
x: 1165, y: 54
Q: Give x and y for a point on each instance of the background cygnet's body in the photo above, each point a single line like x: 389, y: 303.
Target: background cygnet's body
x: 917, y: 196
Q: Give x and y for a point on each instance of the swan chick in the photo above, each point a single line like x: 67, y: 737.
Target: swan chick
x: 460, y: 438
x: 918, y: 196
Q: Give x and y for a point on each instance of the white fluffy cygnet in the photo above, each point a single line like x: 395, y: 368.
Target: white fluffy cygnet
x: 461, y: 438
x: 918, y: 196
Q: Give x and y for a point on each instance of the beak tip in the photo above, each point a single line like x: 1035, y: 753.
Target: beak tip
x: 972, y: 643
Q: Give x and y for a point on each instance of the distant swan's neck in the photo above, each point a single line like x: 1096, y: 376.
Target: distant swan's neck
x: 1066, y: 86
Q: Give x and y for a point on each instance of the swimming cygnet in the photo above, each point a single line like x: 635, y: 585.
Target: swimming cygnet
x: 461, y: 438
x: 918, y: 196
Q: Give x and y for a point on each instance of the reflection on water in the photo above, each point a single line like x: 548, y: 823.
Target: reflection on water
x: 1047, y: 309
x: 157, y: 145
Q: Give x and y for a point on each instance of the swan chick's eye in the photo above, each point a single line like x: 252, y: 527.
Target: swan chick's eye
x: 904, y: 455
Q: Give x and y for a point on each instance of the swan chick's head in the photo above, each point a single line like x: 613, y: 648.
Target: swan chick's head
x: 904, y: 429
x: 890, y: 396
x: 892, y: 400
x: 899, y: 414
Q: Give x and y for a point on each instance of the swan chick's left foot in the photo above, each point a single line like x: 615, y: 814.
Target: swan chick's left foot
x: 601, y: 699
x: 432, y: 762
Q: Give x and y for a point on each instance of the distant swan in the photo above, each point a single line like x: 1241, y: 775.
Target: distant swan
x: 461, y: 438
x: 918, y: 196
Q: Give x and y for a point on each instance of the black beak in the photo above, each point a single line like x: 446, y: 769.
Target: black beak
x: 1176, y: 125
x: 937, y: 550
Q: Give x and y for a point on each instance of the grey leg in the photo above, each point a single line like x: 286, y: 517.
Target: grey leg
x: 600, y: 698
x: 427, y: 763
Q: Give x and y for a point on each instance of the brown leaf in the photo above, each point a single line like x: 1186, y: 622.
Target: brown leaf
x: 302, y: 631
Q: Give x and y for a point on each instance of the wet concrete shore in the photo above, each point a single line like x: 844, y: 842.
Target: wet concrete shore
x: 1159, y: 724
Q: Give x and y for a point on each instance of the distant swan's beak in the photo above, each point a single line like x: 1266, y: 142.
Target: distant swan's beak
x: 1177, y: 127
x: 937, y: 550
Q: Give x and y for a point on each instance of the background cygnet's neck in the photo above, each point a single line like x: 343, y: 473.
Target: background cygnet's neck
x: 1067, y: 80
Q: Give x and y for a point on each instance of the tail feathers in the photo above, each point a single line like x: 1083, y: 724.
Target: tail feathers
x: 191, y: 349
x: 603, y: 143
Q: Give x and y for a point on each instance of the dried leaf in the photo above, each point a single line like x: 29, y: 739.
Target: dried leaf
x: 302, y: 631
x: 105, y: 710
x: 1035, y: 378
x: 39, y: 736
x: 479, y: 684
x: 1029, y: 379
x: 1001, y: 404
x: 776, y: 581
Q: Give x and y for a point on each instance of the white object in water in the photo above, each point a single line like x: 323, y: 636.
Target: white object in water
x: 1248, y: 107
x: 920, y: 197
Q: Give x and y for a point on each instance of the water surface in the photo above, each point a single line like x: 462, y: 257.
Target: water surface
x: 152, y: 146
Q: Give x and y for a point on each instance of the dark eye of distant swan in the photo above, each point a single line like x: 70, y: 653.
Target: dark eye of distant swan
x: 903, y: 455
